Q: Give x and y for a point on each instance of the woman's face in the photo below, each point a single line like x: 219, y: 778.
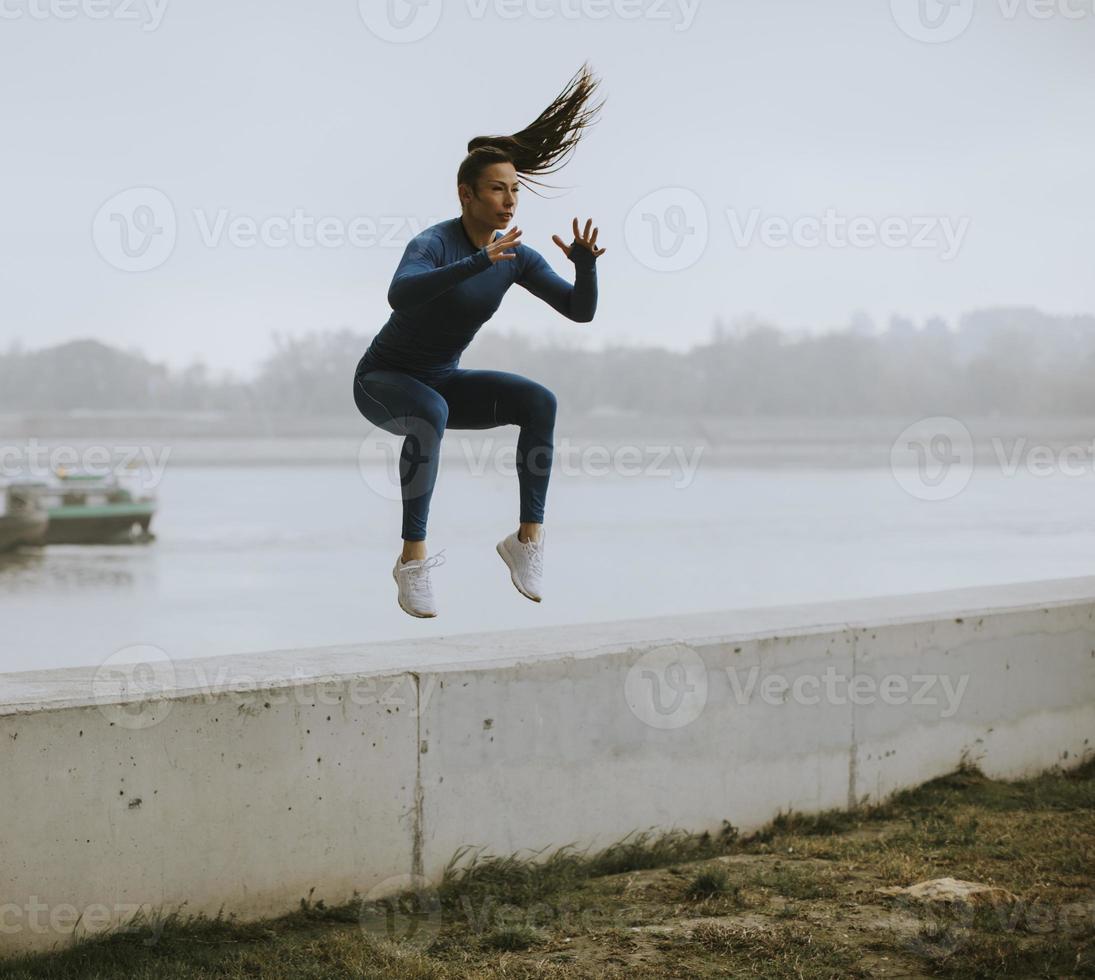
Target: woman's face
x: 496, y: 203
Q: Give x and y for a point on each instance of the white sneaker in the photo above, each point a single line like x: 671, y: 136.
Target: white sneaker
x: 413, y: 579
x: 526, y: 563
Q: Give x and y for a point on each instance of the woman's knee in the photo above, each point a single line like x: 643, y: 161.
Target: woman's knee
x: 541, y: 403
x: 436, y: 415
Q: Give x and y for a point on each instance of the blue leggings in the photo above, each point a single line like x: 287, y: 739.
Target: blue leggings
x: 402, y: 404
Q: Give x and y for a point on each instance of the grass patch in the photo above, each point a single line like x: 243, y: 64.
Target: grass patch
x: 795, y: 899
x: 709, y: 882
x: 513, y: 938
x: 523, y: 879
x: 792, y: 881
x: 783, y: 951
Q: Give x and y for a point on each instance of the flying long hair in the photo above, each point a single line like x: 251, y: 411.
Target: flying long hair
x: 543, y: 146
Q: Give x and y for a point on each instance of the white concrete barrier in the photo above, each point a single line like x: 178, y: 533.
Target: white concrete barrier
x: 245, y: 784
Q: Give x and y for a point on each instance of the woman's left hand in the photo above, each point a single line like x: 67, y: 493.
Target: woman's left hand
x: 586, y: 240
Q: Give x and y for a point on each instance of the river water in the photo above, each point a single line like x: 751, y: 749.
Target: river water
x: 253, y: 558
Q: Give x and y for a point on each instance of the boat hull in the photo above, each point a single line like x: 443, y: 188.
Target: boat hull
x: 98, y: 528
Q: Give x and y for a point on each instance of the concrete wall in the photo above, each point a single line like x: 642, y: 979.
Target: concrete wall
x: 248, y: 783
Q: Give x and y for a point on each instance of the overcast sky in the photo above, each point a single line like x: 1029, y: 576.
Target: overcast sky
x: 740, y: 146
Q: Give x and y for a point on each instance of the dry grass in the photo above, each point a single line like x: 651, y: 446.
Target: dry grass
x: 794, y: 900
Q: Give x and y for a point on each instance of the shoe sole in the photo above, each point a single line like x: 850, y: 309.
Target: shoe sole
x: 409, y: 612
x: 512, y: 574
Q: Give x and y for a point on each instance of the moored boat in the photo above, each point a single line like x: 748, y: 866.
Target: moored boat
x: 91, y: 509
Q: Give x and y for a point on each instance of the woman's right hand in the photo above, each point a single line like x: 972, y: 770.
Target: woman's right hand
x: 496, y: 250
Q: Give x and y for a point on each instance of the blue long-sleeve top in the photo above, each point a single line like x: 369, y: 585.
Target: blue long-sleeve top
x: 445, y: 288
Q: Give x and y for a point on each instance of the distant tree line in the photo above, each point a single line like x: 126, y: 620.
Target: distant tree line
x: 1016, y: 361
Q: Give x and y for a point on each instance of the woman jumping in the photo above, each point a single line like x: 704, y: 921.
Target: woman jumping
x: 449, y: 282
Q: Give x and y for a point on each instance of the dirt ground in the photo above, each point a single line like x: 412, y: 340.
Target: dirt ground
x: 798, y: 899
